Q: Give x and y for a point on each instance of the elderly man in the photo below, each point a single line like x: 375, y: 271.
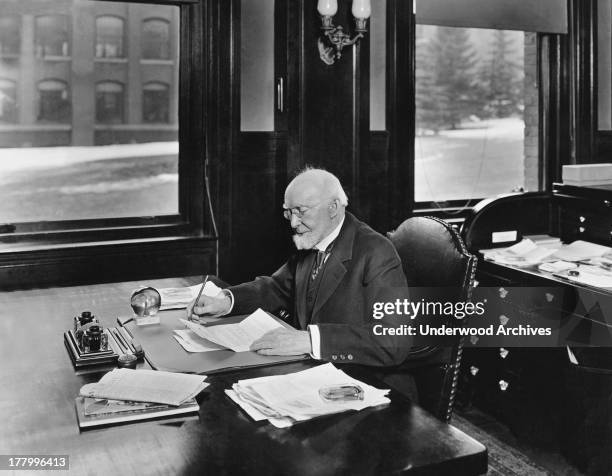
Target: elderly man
x: 341, y: 268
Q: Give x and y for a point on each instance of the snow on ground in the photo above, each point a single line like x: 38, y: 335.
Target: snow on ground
x: 23, y: 158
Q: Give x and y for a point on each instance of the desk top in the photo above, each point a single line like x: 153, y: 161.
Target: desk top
x: 38, y: 385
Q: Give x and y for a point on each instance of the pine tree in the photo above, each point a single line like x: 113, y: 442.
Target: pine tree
x: 453, y: 61
x: 501, y: 78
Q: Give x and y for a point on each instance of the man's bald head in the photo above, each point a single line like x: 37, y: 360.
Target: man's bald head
x: 320, y: 182
x: 317, y: 203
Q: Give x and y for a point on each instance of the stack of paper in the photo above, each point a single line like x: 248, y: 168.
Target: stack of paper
x: 192, y: 342
x: 238, y: 336
x: 580, y: 250
x: 146, y: 386
x: 179, y: 298
x: 523, y: 254
x: 286, y: 399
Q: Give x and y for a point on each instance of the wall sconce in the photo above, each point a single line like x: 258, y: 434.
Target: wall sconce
x: 330, y: 46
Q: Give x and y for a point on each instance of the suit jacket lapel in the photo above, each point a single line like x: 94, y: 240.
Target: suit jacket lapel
x: 334, y: 269
x: 302, y: 275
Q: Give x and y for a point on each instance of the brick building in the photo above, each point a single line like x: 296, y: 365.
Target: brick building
x: 78, y: 72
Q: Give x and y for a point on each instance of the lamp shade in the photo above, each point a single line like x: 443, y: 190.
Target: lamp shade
x: 361, y: 9
x: 327, y: 7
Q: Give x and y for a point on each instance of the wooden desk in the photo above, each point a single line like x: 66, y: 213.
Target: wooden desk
x: 38, y: 385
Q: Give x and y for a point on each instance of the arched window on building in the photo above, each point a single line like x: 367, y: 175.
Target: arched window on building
x: 53, y: 101
x: 110, y: 34
x: 109, y: 102
x: 155, y: 39
x: 8, y: 101
x: 9, y: 36
x: 52, y: 36
x: 155, y: 102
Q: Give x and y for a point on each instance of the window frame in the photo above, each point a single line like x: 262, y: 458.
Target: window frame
x: 37, y: 34
x: 553, y: 61
x: 16, y: 22
x: 142, y: 38
x: 121, y: 106
x: 455, y: 207
x: 192, y: 219
x: 15, y: 111
x: 65, y: 89
x: 166, y: 89
x: 123, y: 51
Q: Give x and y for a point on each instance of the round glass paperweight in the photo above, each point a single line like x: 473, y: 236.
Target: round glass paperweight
x: 145, y: 302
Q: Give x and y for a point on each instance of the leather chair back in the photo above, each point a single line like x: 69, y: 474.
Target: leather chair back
x: 434, y: 255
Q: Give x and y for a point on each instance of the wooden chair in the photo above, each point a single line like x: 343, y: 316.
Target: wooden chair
x: 433, y: 255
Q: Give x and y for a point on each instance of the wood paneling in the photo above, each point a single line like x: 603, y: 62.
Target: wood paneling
x: 110, y: 262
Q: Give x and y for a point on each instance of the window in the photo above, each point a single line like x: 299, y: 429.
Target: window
x: 471, y: 111
x: 119, y: 197
x: 54, y: 101
x: 155, y: 39
x: 52, y: 36
x: 155, y: 102
x: 9, y: 36
x: 102, y: 160
x: 109, y: 103
x: 8, y: 101
x: 109, y: 37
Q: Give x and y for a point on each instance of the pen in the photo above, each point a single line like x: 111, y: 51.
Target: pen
x: 199, y: 294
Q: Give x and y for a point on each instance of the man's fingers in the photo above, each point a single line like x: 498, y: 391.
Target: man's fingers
x: 261, y: 343
x: 266, y: 352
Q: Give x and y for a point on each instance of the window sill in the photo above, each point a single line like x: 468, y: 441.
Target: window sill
x: 111, y: 60
x: 52, y: 58
x: 157, y: 61
x: 27, y: 265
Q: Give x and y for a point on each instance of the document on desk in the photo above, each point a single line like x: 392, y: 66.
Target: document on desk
x: 238, y: 336
x: 192, y: 342
x: 286, y: 399
x: 146, y: 386
x: 179, y: 298
x: 580, y: 250
x: 526, y: 253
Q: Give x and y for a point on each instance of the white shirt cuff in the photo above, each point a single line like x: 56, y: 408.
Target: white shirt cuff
x: 315, y: 341
x: 228, y: 293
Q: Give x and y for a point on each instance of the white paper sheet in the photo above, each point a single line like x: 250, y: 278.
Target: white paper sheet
x: 239, y: 336
x: 146, y: 386
x: 284, y: 399
x: 191, y: 342
x: 580, y: 250
x: 179, y: 298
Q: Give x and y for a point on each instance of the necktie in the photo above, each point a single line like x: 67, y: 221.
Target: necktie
x: 318, y: 263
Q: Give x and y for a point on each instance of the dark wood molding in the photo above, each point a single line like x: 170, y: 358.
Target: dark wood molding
x: 554, y: 139
x: 583, y: 79
x: 103, y: 262
x: 400, y: 109
x: 604, y: 146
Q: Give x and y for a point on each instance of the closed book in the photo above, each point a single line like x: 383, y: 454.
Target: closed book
x: 93, y: 412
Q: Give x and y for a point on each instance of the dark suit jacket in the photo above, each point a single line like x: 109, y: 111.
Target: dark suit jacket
x: 363, y: 268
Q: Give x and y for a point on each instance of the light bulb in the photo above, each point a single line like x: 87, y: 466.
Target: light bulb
x: 327, y: 7
x: 361, y: 9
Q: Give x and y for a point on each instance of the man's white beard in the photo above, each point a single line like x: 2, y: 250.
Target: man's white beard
x: 303, y: 242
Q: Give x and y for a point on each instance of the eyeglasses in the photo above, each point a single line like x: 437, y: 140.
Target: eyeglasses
x: 297, y: 211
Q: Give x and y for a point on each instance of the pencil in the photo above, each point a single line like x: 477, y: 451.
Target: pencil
x: 199, y: 293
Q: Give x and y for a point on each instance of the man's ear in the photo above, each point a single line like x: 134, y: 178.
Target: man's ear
x: 333, y: 208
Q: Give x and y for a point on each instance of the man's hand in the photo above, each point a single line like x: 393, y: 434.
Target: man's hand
x: 283, y: 342
x: 209, y: 306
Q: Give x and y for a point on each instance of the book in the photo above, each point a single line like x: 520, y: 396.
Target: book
x: 142, y: 385
x: 94, y: 412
